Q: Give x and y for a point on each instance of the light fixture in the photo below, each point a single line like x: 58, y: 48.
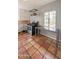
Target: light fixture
x: 33, y: 12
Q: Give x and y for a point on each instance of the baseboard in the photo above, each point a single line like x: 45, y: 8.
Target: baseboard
x: 48, y: 36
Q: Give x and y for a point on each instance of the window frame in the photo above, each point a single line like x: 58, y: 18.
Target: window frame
x: 54, y: 15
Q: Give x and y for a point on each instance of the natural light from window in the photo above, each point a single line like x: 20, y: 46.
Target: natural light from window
x: 50, y: 20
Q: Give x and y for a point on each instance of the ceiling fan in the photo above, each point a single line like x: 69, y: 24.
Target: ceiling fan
x: 33, y: 12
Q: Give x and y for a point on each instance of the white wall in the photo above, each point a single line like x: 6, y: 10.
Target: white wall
x: 23, y: 14
x: 34, y: 18
x: 49, y: 7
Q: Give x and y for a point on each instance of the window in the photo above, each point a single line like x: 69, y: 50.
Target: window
x: 50, y: 20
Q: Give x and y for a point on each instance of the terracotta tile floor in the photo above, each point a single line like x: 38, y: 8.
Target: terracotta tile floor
x: 36, y: 47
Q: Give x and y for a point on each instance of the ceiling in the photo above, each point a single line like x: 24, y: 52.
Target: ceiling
x: 31, y: 4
